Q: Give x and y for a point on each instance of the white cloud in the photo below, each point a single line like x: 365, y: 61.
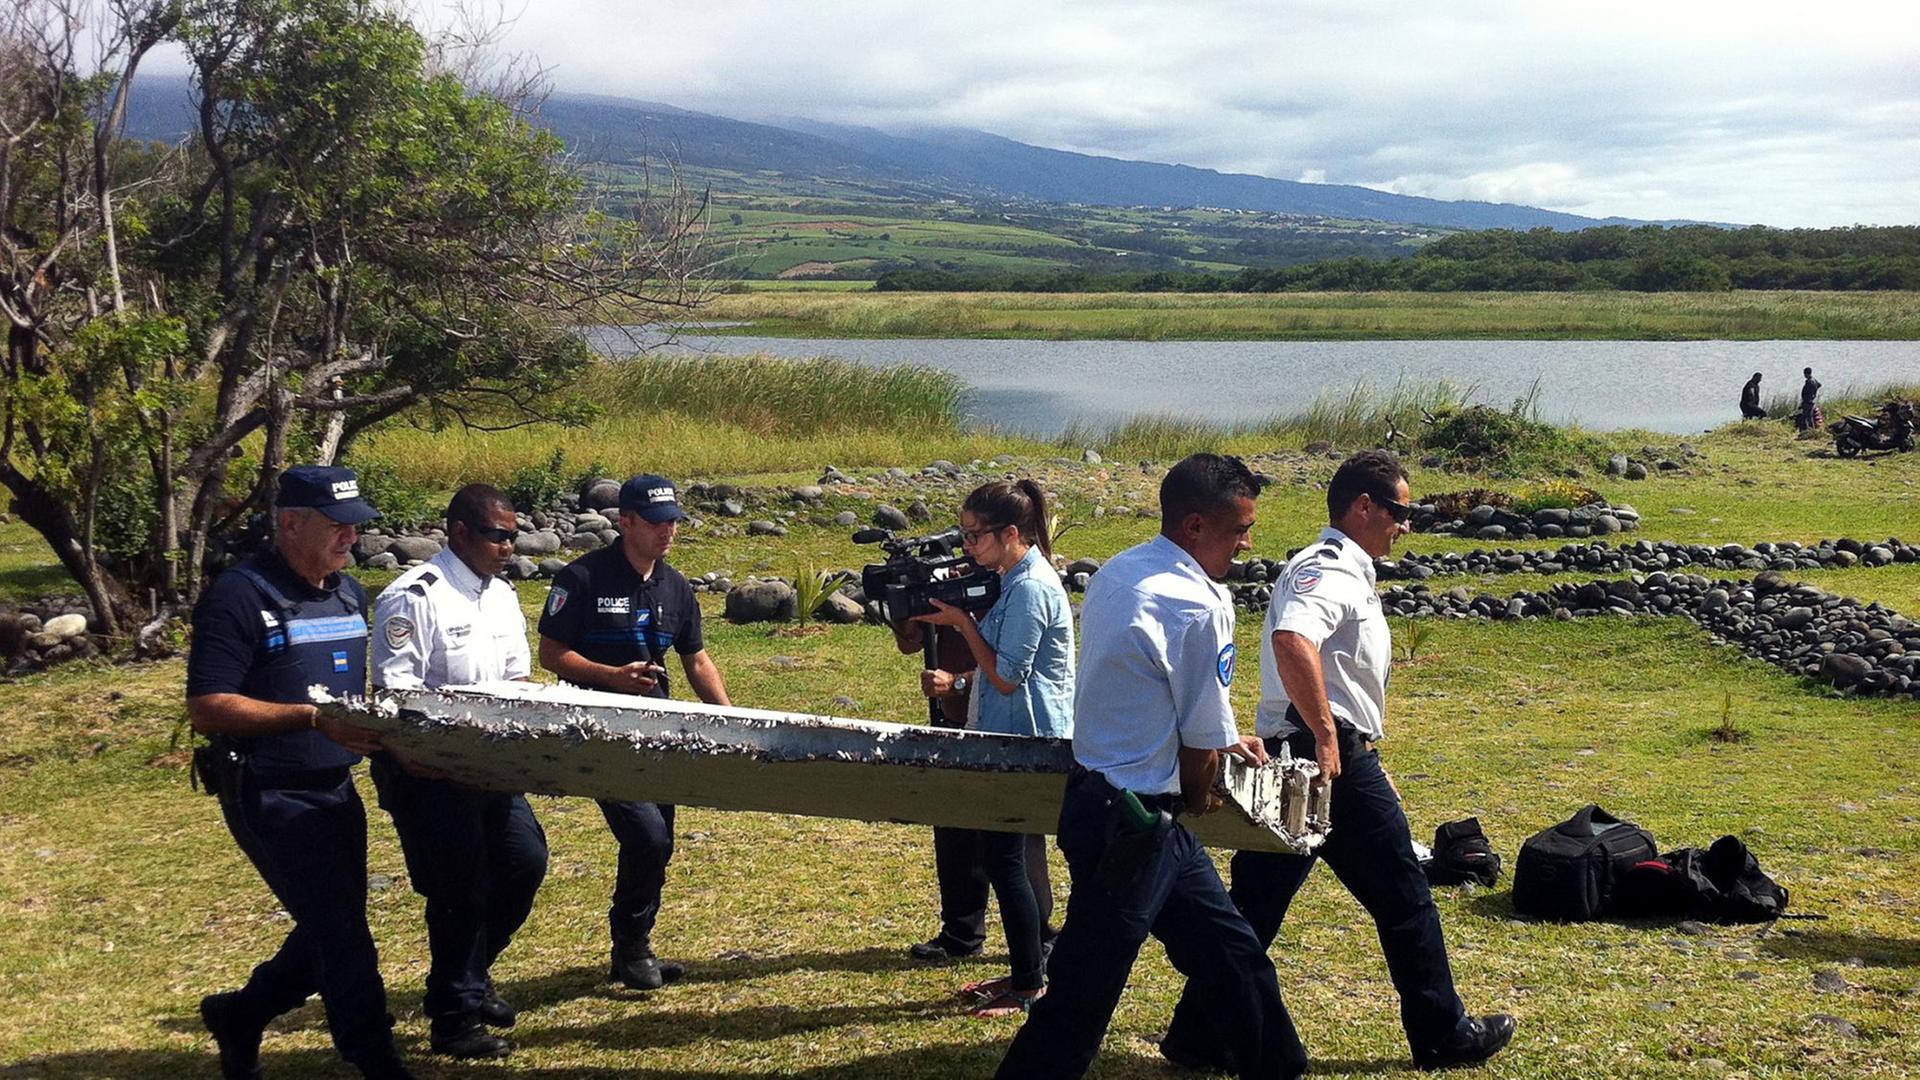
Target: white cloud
x: 1709, y: 109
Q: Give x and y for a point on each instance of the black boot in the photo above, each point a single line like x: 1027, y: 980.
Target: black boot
x: 636, y: 968
x: 237, y: 1036
x: 462, y: 1035
x: 1480, y: 1039
x: 495, y: 1012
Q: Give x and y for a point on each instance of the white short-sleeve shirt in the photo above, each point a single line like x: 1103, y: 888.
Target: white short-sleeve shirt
x: 1326, y: 595
x: 440, y: 624
x: 1156, y: 664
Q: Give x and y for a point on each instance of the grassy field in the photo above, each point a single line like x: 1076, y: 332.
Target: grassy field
x: 1328, y: 316
x: 123, y: 900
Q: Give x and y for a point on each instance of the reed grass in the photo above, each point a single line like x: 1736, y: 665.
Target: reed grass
x: 1748, y: 315
x: 1861, y: 399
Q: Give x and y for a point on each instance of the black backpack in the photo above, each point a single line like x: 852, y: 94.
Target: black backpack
x: 1723, y: 883
x: 1568, y: 872
x: 1462, y: 853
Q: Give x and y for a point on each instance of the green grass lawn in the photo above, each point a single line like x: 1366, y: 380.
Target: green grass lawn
x: 122, y: 900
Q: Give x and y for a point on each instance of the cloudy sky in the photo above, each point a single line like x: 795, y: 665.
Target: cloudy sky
x: 1802, y: 113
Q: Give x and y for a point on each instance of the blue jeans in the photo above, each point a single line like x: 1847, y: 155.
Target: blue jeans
x: 1177, y: 897
x: 309, y: 843
x: 645, y: 833
x: 478, y: 858
x: 1371, y: 852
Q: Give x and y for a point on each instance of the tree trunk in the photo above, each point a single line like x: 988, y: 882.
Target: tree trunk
x: 114, y: 607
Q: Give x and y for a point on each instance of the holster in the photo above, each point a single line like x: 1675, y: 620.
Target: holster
x: 1135, y: 835
x: 219, y: 766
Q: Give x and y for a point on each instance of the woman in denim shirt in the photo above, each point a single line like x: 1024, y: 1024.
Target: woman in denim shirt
x: 1023, y: 685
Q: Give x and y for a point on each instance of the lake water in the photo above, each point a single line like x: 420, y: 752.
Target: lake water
x: 1042, y: 386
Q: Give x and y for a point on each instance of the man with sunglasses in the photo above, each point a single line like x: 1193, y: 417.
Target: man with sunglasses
x: 477, y: 857
x: 1324, y: 666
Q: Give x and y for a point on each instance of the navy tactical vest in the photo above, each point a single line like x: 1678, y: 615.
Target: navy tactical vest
x: 320, y: 639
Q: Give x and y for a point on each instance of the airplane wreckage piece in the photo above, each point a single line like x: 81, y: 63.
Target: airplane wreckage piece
x: 561, y: 740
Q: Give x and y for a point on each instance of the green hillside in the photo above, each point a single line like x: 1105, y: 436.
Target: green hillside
x: 772, y: 226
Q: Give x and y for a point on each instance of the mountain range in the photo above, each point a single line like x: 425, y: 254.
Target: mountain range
x: 927, y: 163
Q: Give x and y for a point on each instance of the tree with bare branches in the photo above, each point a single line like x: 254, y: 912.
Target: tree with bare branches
x: 352, y: 232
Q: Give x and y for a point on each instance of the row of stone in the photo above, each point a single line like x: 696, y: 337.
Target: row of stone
x: 41, y: 634
x: 1648, y: 556
x: 1860, y: 648
x: 1485, y: 522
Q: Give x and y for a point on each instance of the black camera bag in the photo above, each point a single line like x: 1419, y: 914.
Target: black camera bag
x: 1568, y: 872
x: 1462, y: 853
x: 1723, y: 883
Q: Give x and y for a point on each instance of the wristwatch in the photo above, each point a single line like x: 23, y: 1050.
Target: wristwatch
x: 960, y: 684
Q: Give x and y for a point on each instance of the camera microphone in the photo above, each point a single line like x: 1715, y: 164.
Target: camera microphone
x: 870, y: 536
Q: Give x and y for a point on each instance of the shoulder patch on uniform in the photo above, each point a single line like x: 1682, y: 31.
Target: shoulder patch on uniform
x: 556, y: 599
x: 399, y: 630
x: 417, y: 588
x: 1224, y: 664
x: 428, y: 577
x: 1307, y: 578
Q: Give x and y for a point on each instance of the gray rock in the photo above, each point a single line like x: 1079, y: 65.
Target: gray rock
x: 1844, y: 669
x: 521, y: 568
x: 366, y: 547
x: 891, y: 517
x: 550, y: 567
x: 765, y: 528
x: 1480, y: 515
x: 539, y: 542
x: 760, y: 601
x: 386, y: 560
x: 1606, y: 525
x: 1635, y: 471
x: 1829, y: 981
x: 732, y: 508
x: 846, y: 519
x: 1083, y: 566
x: 1617, y: 464
x: 1091, y: 456
x: 65, y: 626
x: 809, y: 493
x: 1793, y: 618
x: 602, y: 493
x: 583, y: 541
x: 40, y: 639
x: 1841, y: 1027
x: 840, y: 608
x: 414, y: 549
x: 919, y: 512
x: 591, y: 523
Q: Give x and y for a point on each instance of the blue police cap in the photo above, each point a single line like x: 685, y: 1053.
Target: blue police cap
x: 652, y: 497
x: 332, y: 490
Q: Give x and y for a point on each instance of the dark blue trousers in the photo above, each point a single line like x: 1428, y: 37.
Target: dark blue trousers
x: 477, y: 857
x: 645, y: 833
x: 1177, y: 898
x: 309, y: 843
x: 1371, y: 852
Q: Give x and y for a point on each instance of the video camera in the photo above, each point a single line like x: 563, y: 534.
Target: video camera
x: 923, y: 568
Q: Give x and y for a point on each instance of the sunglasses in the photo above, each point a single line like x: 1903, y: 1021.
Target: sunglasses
x: 1399, y: 510
x: 489, y: 533
x: 972, y: 536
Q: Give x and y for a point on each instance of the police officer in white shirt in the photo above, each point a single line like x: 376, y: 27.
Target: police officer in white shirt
x: 477, y: 856
x: 1324, y: 667
x: 1151, y: 719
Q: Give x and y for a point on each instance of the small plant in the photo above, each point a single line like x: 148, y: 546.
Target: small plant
x: 1413, y: 635
x: 1728, y: 731
x: 1553, y: 494
x: 538, y: 487
x: 811, y: 587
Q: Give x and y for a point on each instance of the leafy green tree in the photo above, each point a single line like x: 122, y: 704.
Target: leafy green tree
x: 352, y: 233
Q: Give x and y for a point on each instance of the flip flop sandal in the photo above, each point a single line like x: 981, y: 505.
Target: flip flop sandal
x: 1011, y: 1003
x: 985, y: 989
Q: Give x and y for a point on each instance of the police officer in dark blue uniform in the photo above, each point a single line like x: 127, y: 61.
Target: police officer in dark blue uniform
x: 611, y: 617
x: 263, y: 633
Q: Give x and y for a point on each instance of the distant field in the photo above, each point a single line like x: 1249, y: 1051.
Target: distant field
x: 1751, y: 315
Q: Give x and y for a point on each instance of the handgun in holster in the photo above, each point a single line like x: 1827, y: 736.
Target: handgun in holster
x: 1135, y: 837
x: 218, y: 766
